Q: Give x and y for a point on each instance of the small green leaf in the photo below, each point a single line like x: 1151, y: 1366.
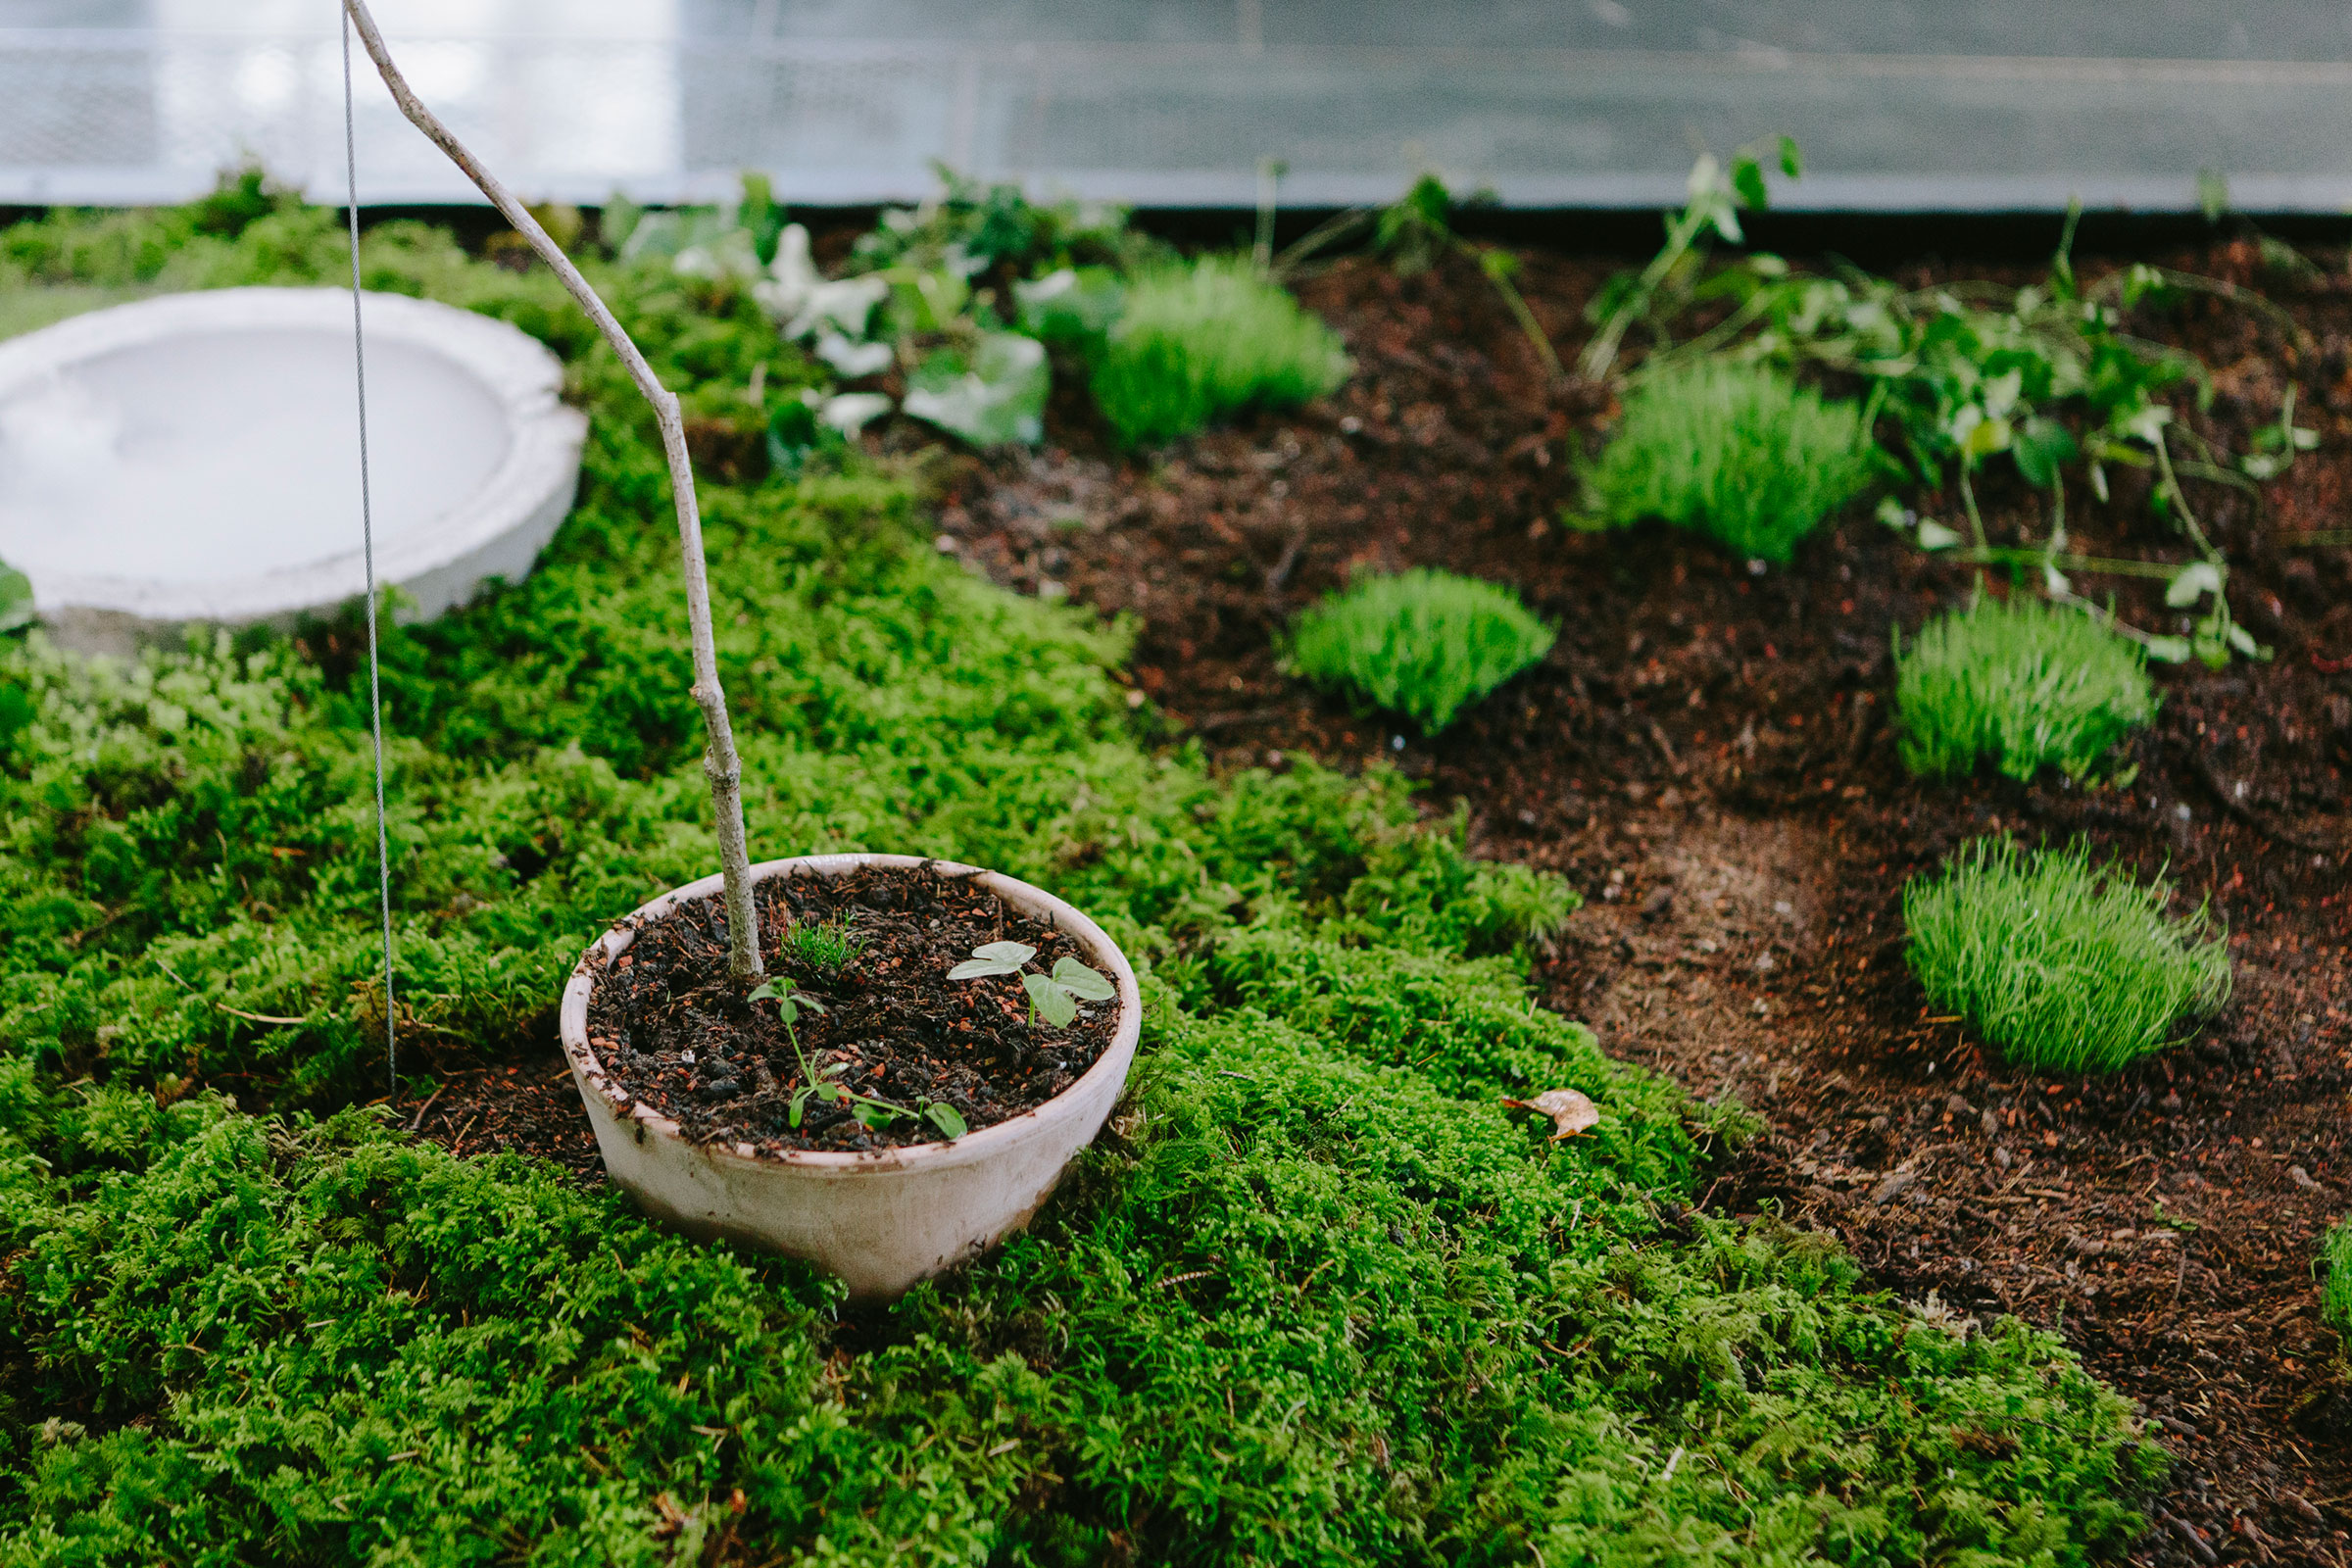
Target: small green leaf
x: 2168, y: 650
x: 2041, y: 447
x: 1793, y: 161
x: 1052, y: 1003
x: 1934, y: 535
x: 2191, y: 583
x: 16, y: 600
x: 766, y: 991
x: 1082, y: 982
x: 946, y: 1118
x: 1747, y: 179
x: 1005, y: 951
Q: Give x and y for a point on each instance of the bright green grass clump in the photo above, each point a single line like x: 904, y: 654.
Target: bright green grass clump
x: 1197, y: 343
x: 1315, y: 1296
x: 2335, y: 1295
x: 2027, y: 683
x: 1736, y: 452
x: 1421, y: 644
x: 2065, y: 968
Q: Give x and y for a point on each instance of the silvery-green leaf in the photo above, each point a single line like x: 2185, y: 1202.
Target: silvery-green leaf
x: 2055, y: 583
x: 2193, y: 582
x: 1082, y: 982
x: 851, y: 412
x: 2168, y: 650
x: 996, y: 397
x: 980, y: 968
x: 1934, y: 535
x: 1005, y: 951
x: 853, y: 359
x: 1891, y: 513
x: 1052, y: 1003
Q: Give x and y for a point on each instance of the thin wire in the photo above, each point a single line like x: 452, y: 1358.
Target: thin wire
x: 375, y: 689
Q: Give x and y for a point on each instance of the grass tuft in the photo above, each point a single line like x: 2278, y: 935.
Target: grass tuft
x: 1199, y: 342
x: 2024, y: 682
x: 2335, y: 1293
x: 2065, y: 968
x: 824, y: 947
x: 1422, y: 643
x: 1736, y: 452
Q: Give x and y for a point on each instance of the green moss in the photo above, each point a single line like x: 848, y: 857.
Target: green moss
x: 1195, y: 343
x: 1317, y: 1295
x: 1422, y: 643
x: 2027, y: 683
x: 1736, y: 452
x: 2065, y: 968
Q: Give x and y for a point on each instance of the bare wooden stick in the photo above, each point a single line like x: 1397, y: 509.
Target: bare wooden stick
x: 721, y: 765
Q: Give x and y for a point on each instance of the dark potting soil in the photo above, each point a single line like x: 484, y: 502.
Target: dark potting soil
x: 675, y: 1030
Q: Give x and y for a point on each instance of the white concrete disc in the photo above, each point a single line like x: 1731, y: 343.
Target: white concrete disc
x: 195, y: 458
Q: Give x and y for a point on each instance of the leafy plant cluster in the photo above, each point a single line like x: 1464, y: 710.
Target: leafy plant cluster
x: 1421, y: 643
x: 2064, y: 967
x: 957, y: 302
x: 2048, y: 376
x: 1317, y: 1298
x: 2027, y: 684
x: 1053, y: 996
x: 1737, y: 451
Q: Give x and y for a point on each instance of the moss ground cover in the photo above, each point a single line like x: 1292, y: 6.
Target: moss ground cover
x: 1314, y: 1298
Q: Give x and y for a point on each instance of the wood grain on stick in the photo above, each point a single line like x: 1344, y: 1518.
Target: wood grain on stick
x: 720, y: 763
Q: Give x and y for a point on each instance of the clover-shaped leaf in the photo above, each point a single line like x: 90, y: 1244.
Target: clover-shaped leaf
x: 1057, y: 996
x: 791, y: 1002
x: 995, y: 958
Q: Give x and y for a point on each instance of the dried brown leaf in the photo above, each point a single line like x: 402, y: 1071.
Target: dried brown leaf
x: 1570, y: 1111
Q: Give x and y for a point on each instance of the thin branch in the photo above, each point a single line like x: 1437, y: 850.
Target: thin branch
x: 720, y: 763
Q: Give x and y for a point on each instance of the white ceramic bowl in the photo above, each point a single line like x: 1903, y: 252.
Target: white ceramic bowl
x: 194, y: 457
x: 881, y: 1220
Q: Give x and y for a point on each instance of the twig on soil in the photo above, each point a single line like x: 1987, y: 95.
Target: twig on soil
x: 418, y: 1120
x: 234, y: 1012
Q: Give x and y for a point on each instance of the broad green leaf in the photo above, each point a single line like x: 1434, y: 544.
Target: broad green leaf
x: 1013, y: 952
x: 1082, y: 982
x: 2041, y: 447
x: 1075, y: 305
x: 994, y: 397
x: 1748, y: 180
x: 946, y: 1118
x: 1052, y: 1003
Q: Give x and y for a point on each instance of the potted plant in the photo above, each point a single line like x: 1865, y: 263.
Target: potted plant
x: 814, y: 1054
